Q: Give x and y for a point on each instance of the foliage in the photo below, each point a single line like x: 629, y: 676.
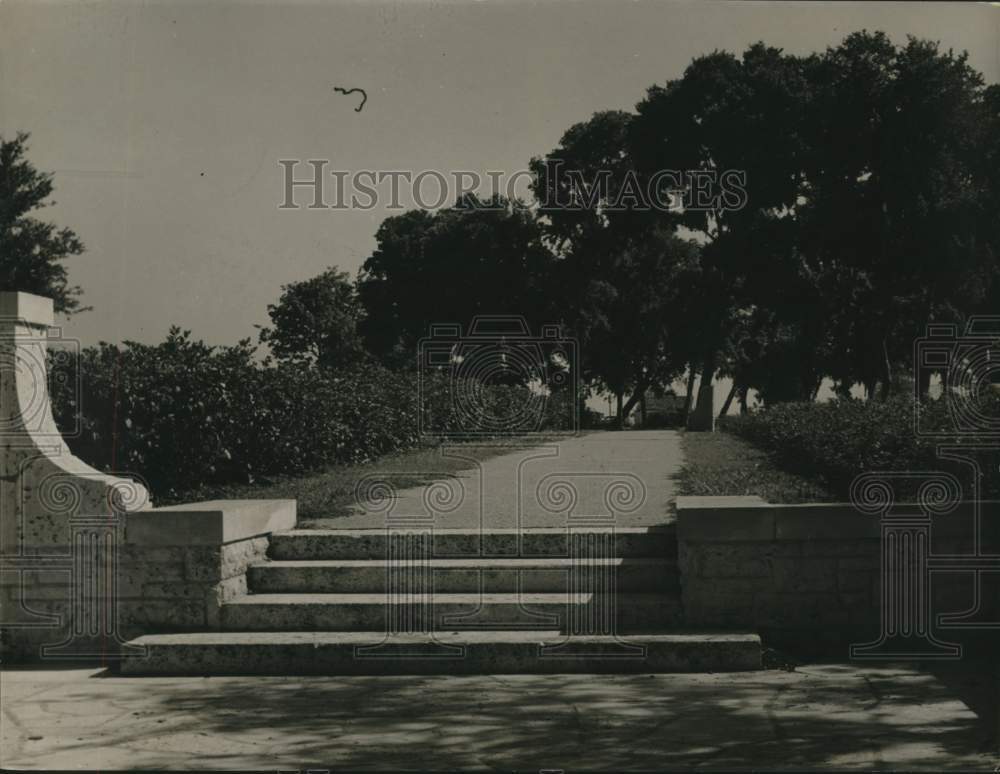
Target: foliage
x: 480, y: 257
x: 728, y: 116
x: 316, y: 320
x: 618, y: 266
x: 891, y: 221
x: 833, y: 442
x: 31, y: 249
x: 872, y: 184
x: 182, y: 413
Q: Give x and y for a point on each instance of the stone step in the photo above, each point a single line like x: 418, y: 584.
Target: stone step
x: 660, y: 541
x: 451, y: 653
x: 445, y: 612
x: 465, y: 575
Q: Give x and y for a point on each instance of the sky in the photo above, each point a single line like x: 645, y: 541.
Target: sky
x: 164, y: 123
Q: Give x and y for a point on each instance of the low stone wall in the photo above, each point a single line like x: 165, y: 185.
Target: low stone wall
x: 812, y: 574
x: 85, y: 561
x: 174, y: 567
x: 179, y: 564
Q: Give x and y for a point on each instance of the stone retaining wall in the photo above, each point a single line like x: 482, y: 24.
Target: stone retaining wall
x: 175, y: 566
x: 173, y: 588
x: 811, y: 574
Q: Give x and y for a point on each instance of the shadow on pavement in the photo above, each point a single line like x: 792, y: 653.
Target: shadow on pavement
x: 828, y: 715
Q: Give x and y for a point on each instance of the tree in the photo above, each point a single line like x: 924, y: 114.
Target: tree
x: 617, y: 259
x: 317, y: 320
x: 869, y: 213
x: 630, y: 330
x: 480, y: 257
x: 987, y: 154
x: 892, y: 196
x: 31, y: 250
x: 728, y: 116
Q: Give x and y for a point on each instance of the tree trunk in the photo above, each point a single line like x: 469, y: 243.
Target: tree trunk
x: 702, y: 419
x: 886, y: 371
x: 729, y: 401
x: 870, y: 383
x: 924, y: 384
x: 637, y: 396
x: 642, y: 409
x: 744, y: 408
x: 621, y: 416
x: 689, y: 399
x: 707, y: 372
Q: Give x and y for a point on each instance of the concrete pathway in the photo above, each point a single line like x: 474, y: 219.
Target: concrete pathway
x: 834, y: 715
x: 625, y: 476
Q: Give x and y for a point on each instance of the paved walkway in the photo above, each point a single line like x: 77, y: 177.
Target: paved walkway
x: 834, y: 715
x: 625, y: 474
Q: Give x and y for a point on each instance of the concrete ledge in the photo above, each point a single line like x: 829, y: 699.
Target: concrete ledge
x: 375, y: 543
x: 724, y: 518
x: 751, y: 518
x: 824, y: 521
x: 213, y: 522
x: 449, y: 653
x: 688, y: 502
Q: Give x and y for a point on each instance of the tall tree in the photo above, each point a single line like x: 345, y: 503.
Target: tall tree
x: 630, y: 319
x: 987, y: 155
x: 737, y: 121
x: 317, y: 320
x: 480, y: 257
x: 617, y: 259
x: 891, y: 200
x: 31, y: 250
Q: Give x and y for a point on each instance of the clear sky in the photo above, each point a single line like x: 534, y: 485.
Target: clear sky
x: 163, y: 123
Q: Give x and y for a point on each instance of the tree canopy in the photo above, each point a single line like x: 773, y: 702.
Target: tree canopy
x: 317, y: 320
x: 825, y: 208
x: 478, y: 257
x: 32, y: 250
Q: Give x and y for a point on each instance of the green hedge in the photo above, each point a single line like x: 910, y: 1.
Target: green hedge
x: 833, y: 442
x: 182, y: 414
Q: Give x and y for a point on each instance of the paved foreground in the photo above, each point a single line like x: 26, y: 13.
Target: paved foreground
x: 833, y: 715
x: 514, y: 490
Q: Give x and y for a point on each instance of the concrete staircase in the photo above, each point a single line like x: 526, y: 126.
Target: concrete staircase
x: 455, y: 602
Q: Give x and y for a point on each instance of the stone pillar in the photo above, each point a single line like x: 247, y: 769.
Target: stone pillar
x: 60, y: 519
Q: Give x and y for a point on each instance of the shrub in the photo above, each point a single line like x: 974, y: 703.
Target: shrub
x: 182, y: 414
x: 835, y: 441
